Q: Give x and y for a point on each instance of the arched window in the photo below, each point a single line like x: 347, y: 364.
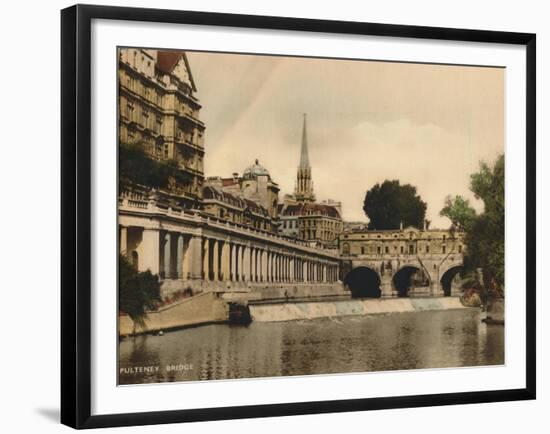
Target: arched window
x: 345, y: 249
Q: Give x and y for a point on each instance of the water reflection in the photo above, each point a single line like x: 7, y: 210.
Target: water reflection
x: 353, y: 344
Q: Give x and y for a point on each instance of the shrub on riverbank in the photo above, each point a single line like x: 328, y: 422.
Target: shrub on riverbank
x: 138, y: 292
x: 471, y: 298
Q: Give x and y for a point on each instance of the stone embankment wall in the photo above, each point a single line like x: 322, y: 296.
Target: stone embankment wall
x: 204, y: 308
x: 297, y: 292
x: 495, y: 310
x: 328, y: 309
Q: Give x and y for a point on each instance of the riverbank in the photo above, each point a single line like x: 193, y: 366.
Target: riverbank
x: 205, y: 308
x: 354, y: 307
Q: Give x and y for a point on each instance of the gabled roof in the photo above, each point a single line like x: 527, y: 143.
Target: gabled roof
x: 167, y: 61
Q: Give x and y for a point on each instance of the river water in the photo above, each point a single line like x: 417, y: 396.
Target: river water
x: 431, y: 339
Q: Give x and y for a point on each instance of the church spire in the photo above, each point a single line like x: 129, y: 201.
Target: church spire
x: 304, y: 185
x: 304, y: 157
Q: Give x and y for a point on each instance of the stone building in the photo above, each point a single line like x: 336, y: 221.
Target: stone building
x: 251, y: 199
x: 255, y: 185
x: 236, y: 209
x: 301, y: 217
x: 316, y: 223
x: 408, y: 241
x: 193, y: 250
x: 158, y: 109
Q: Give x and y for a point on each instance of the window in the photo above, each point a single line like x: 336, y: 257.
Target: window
x: 444, y: 236
x: 459, y: 248
x: 411, y: 249
x: 443, y: 249
x: 402, y: 250
x: 379, y: 250
x: 387, y: 249
x: 427, y: 248
x: 130, y: 111
x: 362, y: 250
x: 158, y: 125
x: 146, y: 118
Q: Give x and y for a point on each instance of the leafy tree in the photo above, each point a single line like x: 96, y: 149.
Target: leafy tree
x: 138, y: 291
x: 136, y: 166
x: 459, y: 211
x: 485, y: 239
x: 389, y: 204
x: 484, y: 233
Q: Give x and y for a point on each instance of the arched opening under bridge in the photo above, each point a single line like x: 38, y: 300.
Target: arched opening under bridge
x: 450, y: 279
x: 363, y: 282
x: 409, y: 277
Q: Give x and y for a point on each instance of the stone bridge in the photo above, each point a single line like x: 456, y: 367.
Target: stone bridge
x: 403, y: 274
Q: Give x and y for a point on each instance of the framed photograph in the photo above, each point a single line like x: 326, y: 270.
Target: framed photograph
x: 267, y: 216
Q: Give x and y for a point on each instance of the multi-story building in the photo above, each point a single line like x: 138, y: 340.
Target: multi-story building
x: 250, y: 199
x: 232, y: 208
x: 316, y: 223
x: 158, y: 110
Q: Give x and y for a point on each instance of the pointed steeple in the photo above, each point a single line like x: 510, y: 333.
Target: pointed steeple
x: 304, y: 184
x: 304, y: 157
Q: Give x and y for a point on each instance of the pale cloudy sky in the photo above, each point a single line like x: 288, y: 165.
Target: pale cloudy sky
x: 427, y: 125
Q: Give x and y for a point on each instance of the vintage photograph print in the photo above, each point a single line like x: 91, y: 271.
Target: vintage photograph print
x: 283, y: 216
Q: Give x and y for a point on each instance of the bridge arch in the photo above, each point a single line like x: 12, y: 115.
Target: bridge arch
x: 447, y: 278
x: 363, y: 282
x: 404, y: 278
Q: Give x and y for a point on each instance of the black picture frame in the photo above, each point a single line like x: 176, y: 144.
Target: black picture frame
x: 76, y: 214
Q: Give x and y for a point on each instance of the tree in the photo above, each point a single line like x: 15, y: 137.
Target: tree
x: 484, y: 233
x: 138, y: 291
x: 136, y: 166
x: 388, y: 205
x: 485, y: 239
x: 459, y: 211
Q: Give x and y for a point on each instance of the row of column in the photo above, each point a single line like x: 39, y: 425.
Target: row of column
x: 181, y: 256
x: 233, y: 261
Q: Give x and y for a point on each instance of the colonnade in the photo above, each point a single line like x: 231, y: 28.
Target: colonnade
x: 175, y: 255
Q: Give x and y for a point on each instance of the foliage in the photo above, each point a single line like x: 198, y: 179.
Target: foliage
x: 459, y: 211
x: 136, y: 166
x: 389, y: 204
x: 485, y: 239
x: 484, y: 233
x: 138, y: 291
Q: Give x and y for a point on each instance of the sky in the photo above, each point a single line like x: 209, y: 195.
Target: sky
x: 427, y: 125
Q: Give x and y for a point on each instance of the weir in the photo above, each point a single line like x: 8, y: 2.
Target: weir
x: 341, y: 308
